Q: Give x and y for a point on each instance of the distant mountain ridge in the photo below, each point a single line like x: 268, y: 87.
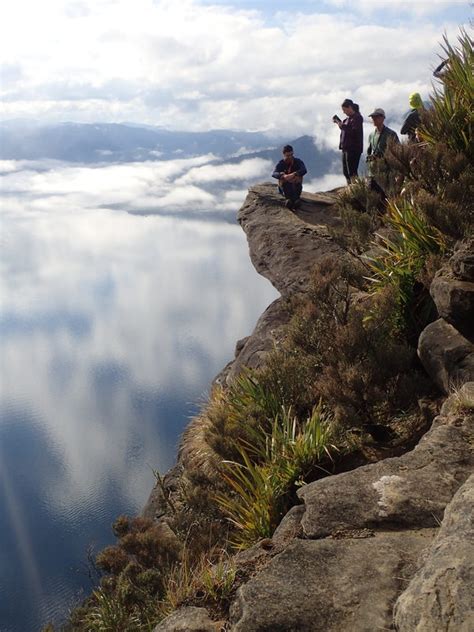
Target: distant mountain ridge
x: 118, y: 142
x: 318, y: 161
x: 127, y: 142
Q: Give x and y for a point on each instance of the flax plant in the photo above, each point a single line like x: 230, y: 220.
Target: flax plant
x: 402, y: 255
x: 271, y: 466
x: 451, y: 119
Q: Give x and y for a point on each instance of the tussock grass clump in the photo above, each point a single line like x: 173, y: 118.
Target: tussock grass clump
x: 343, y: 345
x: 135, y: 572
x: 149, y: 573
x: 270, y: 468
x: 362, y: 364
x: 463, y: 397
x: 206, y: 581
x: 252, y: 402
x: 439, y: 182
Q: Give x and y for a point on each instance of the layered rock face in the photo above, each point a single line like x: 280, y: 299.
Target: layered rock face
x: 446, y: 346
x: 386, y: 546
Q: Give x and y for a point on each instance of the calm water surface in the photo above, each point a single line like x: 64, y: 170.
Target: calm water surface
x: 112, y: 326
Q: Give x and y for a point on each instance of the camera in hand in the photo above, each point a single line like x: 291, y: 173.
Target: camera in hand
x: 336, y: 119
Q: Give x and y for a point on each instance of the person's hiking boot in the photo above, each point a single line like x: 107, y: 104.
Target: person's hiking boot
x: 297, y: 203
x: 289, y: 204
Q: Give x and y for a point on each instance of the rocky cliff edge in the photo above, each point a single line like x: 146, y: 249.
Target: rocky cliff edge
x: 386, y: 546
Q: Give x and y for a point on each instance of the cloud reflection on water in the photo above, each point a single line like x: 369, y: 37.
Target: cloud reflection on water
x: 112, y: 326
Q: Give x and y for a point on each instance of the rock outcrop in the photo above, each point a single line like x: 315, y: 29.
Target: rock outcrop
x: 188, y: 619
x: 447, y: 356
x: 452, y: 289
x: 440, y: 596
x: 329, y: 585
x: 446, y: 346
x: 406, y: 492
x: 361, y: 542
x: 388, y: 545
x: 284, y: 246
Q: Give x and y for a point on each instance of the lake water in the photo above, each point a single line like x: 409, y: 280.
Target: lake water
x: 112, y: 326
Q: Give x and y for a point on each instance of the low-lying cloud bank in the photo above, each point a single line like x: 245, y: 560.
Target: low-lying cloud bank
x: 192, y: 187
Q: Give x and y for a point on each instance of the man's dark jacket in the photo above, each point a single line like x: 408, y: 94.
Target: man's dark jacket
x: 412, y: 121
x: 283, y: 168
x: 352, y: 135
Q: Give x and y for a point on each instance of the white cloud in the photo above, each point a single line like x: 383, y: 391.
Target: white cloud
x: 137, y: 284
x: 172, y: 186
x: 192, y: 66
x: 326, y: 183
x: 179, y: 196
x: 155, y: 269
x: 252, y: 168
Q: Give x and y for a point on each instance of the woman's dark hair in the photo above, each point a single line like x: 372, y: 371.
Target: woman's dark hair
x: 349, y: 103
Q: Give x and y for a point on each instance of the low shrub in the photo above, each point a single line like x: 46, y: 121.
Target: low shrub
x: 359, y: 209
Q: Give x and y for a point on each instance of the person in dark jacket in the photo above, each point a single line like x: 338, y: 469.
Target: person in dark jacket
x: 413, y: 120
x: 289, y: 172
x: 352, y: 138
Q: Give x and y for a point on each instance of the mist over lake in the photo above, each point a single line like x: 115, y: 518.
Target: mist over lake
x: 112, y: 326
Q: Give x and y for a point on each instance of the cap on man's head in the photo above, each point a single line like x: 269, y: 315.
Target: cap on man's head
x: 378, y: 112
x: 287, y: 148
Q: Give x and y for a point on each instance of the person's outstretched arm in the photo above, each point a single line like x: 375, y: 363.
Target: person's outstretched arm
x: 437, y: 72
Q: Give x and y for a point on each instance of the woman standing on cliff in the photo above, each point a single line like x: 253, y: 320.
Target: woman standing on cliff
x: 352, y: 138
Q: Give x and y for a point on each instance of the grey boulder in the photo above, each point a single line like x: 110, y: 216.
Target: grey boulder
x: 403, y: 492
x: 440, y: 596
x: 454, y: 301
x: 329, y: 585
x: 448, y: 357
x: 189, y: 619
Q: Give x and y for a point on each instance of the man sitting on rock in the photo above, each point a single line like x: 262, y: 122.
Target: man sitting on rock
x: 289, y: 172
